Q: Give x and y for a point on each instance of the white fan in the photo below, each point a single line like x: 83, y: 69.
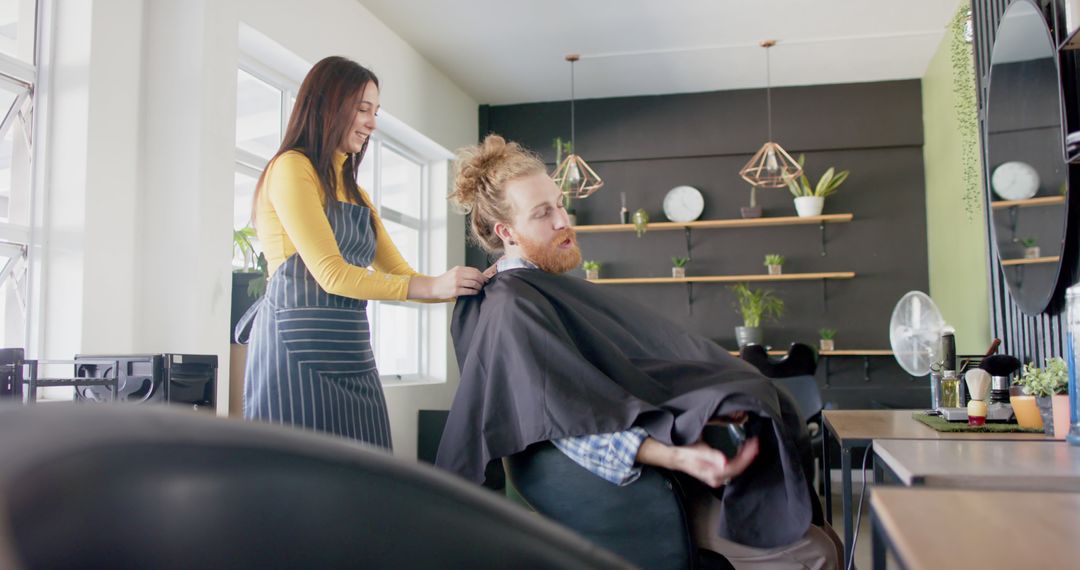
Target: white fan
x: 915, y: 332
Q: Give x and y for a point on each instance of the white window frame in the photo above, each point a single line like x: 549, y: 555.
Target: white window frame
x: 422, y: 151
x: 18, y: 240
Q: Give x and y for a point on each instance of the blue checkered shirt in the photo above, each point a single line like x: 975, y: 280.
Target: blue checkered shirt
x: 611, y: 456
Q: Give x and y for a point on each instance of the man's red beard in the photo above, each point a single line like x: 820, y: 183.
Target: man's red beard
x: 550, y: 256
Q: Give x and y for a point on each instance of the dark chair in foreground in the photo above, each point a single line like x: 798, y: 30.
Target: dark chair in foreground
x: 147, y: 488
x: 644, y: 522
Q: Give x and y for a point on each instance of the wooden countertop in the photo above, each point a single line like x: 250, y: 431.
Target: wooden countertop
x: 933, y: 529
x: 898, y: 424
x: 1000, y: 465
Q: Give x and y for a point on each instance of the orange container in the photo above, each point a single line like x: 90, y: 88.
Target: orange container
x: 1027, y: 411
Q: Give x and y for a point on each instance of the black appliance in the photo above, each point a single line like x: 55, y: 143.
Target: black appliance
x: 184, y: 379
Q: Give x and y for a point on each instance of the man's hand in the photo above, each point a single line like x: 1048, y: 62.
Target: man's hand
x: 702, y: 462
x: 710, y: 466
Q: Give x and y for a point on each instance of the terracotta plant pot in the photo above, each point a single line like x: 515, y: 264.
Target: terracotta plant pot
x: 678, y: 272
x: 827, y: 344
x: 775, y: 269
x: 1025, y: 409
x: 1060, y: 406
x: 807, y: 206
x: 592, y: 274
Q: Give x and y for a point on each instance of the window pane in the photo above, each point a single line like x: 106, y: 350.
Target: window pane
x: 258, y: 115
x: 243, y: 193
x: 400, y: 181
x: 17, y: 29
x: 397, y: 339
x: 15, y: 173
x: 365, y: 175
x: 407, y: 241
x: 12, y: 309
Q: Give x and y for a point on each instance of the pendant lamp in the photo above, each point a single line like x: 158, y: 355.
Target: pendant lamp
x: 574, y: 176
x: 771, y: 165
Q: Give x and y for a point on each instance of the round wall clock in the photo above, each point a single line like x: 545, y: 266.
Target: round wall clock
x: 1015, y: 180
x: 683, y: 204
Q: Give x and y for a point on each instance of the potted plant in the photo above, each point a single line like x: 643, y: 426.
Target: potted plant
x: 826, y: 342
x: 1049, y: 385
x: 592, y: 270
x: 641, y: 221
x: 565, y: 148
x: 809, y: 201
x: 249, y: 277
x: 775, y: 263
x: 754, y: 211
x: 678, y: 267
x: 754, y: 305
x: 1031, y: 248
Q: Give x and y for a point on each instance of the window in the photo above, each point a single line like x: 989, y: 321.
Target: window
x: 18, y: 76
x: 394, y: 176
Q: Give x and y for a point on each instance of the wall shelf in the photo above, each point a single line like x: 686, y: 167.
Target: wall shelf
x: 725, y: 278
x: 1028, y: 203
x: 1029, y: 261
x: 1072, y: 42
x: 721, y: 224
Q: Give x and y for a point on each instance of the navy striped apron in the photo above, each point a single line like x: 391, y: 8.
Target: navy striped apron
x: 310, y: 362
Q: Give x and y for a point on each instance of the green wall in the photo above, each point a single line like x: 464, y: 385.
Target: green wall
x: 956, y: 228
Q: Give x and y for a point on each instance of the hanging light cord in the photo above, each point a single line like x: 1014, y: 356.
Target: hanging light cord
x: 768, y: 91
x: 573, y: 140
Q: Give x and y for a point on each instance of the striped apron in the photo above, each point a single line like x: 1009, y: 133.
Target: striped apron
x: 310, y: 362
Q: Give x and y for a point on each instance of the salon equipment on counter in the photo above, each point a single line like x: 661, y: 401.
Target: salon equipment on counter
x: 978, y: 385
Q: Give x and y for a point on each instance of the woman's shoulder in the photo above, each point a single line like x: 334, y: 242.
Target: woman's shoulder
x: 292, y: 160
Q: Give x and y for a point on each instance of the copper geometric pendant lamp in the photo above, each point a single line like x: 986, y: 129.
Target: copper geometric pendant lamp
x: 771, y: 165
x: 574, y: 176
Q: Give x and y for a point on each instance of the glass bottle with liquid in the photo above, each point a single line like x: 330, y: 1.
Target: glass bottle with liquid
x: 1072, y: 356
x: 950, y: 390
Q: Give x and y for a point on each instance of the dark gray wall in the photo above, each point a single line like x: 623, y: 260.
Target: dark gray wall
x: 1030, y: 338
x: 644, y: 146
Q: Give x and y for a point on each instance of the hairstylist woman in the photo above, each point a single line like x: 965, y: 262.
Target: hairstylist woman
x: 310, y: 361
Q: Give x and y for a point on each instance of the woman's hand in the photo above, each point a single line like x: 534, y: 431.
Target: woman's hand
x: 702, y: 462
x: 457, y: 282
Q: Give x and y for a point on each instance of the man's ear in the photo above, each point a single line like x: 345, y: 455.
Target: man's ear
x: 503, y: 232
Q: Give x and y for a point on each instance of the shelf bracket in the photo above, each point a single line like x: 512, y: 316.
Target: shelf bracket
x: 688, y: 256
x: 689, y: 298
x: 824, y: 296
x: 1014, y: 214
x: 822, y: 228
x: 826, y: 359
x: 866, y: 368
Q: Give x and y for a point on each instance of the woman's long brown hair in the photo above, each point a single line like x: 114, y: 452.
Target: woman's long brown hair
x: 324, y: 111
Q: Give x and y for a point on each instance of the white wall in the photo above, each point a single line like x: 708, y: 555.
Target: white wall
x: 136, y: 251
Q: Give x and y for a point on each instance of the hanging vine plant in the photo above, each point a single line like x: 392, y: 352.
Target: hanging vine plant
x: 965, y: 105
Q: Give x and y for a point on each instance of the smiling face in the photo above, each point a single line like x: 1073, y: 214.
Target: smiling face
x: 539, y: 228
x: 367, y: 108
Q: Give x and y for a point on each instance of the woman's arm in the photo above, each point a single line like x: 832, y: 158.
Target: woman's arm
x: 704, y: 463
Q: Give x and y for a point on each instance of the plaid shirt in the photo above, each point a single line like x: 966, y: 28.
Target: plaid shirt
x: 611, y: 456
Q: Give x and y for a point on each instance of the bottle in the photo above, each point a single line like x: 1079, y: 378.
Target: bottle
x: 1072, y: 355
x: 624, y: 214
x: 950, y: 382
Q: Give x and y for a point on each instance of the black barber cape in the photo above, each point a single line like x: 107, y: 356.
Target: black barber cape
x: 545, y: 356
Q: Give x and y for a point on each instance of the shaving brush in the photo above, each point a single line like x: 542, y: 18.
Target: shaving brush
x: 1000, y: 367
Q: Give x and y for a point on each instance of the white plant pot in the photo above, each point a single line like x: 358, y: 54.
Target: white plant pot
x: 775, y: 269
x: 1032, y: 252
x: 592, y: 274
x: 827, y: 344
x: 808, y: 206
x: 678, y: 272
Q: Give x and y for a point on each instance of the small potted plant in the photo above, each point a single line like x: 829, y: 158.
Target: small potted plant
x: 678, y: 267
x: 1049, y: 385
x: 809, y: 201
x: 641, y: 221
x: 754, y: 306
x: 775, y: 263
x: 754, y: 211
x: 565, y: 148
x: 1031, y: 248
x: 592, y: 270
x: 827, y: 343
x: 249, y: 274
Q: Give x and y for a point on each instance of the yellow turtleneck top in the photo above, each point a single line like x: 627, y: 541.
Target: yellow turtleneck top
x: 290, y: 218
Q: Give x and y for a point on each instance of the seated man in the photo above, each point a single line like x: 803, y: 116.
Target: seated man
x: 611, y: 384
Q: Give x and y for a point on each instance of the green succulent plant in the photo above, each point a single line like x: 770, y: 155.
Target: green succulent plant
x: 1029, y: 242
x: 774, y: 259
x: 591, y: 265
x: 679, y: 261
x: 827, y: 334
x: 1046, y: 381
x: 641, y: 221
x: 253, y: 261
x: 826, y: 186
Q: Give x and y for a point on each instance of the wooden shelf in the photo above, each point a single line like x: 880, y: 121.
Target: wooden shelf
x: 1031, y: 261
x: 724, y: 278
x: 1072, y: 42
x: 721, y: 224
x: 1029, y: 203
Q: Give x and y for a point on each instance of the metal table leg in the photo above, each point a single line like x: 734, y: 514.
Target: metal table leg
x: 826, y: 472
x: 845, y: 472
x: 879, y: 549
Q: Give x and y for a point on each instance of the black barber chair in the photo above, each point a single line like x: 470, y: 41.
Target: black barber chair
x: 644, y: 522
x: 140, y: 487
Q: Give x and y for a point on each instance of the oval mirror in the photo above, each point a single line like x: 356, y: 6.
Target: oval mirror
x: 1029, y: 178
